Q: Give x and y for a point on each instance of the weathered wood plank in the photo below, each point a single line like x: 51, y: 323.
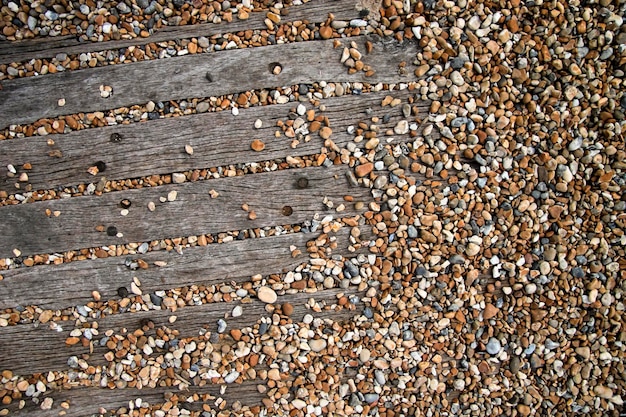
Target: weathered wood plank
x: 157, y: 147
x: 28, y: 99
x: 86, y: 402
x: 315, y: 11
x: 27, y: 228
x: 29, y: 349
x: 61, y: 286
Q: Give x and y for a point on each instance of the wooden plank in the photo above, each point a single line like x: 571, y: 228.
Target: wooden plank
x: 60, y: 286
x: 28, y: 99
x: 315, y: 11
x: 29, y: 349
x: 29, y: 229
x: 157, y: 147
x: 87, y: 401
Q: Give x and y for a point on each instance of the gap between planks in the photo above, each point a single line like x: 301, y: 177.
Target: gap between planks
x: 29, y: 229
x: 314, y: 11
x: 26, y: 100
x: 158, y: 146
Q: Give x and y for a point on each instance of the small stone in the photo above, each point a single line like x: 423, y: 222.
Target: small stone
x: 326, y: 32
x: 402, y: 128
x: 493, y: 346
x: 172, y: 195
x: 317, y: 345
x: 258, y: 123
x: 298, y: 403
x: 237, y: 311
x: 178, y: 178
x: 287, y: 309
x: 325, y: 132
x: 231, y: 377
x: 189, y: 149
x: 364, y: 169
x: 257, y: 145
x: 472, y: 249
x: 457, y: 78
x: 267, y: 295
x: 490, y: 311
x: 603, y: 392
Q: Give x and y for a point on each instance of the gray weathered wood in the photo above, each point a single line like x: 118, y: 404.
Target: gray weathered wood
x: 66, y: 285
x: 28, y: 99
x: 157, y: 147
x: 29, y: 349
x: 86, y: 402
x: 315, y: 11
x: 26, y: 227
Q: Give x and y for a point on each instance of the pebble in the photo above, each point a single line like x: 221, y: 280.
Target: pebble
x: 178, y: 178
x: 257, y: 145
x: 317, y: 345
x: 267, y: 295
x: 493, y: 346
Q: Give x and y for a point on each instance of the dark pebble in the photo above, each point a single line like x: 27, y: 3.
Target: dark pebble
x: 112, y: 231
x: 156, y: 300
x: 122, y: 292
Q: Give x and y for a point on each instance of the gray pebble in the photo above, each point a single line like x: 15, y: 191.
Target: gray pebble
x: 350, y: 269
x: 493, y: 346
x: 371, y: 398
x: 221, y: 326
x: 143, y: 248
x: 380, y: 377
x: 456, y: 259
x: 231, y: 377
x: 72, y: 362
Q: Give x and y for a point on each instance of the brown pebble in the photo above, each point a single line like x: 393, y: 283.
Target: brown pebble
x: 325, y: 132
x: 364, y: 169
x: 287, y: 309
x: 257, y: 145
x: 326, y: 32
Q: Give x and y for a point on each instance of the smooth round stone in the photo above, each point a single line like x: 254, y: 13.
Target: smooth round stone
x: 267, y: 295
x: 493, y: 346
x: 365, y: 355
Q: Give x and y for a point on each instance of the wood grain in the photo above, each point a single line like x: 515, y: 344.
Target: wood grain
x: 71, y: 284
x: 26, y: 227
x: 29, y: 99
x: 315, y: 11
x: 158, y: 146
x: 29, y: 349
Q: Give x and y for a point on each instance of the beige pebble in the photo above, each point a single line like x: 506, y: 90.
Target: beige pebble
x: 267, y: 295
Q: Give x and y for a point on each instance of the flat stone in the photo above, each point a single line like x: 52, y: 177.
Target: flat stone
x: 267, y: 295
x: 317, y: 345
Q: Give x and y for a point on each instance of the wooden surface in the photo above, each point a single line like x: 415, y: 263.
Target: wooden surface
x: 158, y: 147
x: 314, y: 12
x: 29, y: 229
x: 26, y: 100
x: 72, y: 283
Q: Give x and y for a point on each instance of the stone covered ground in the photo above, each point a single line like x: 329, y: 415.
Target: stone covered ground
x: 498, y: 285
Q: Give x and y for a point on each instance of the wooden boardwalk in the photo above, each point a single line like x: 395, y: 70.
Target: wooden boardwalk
x: 101, y: 223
